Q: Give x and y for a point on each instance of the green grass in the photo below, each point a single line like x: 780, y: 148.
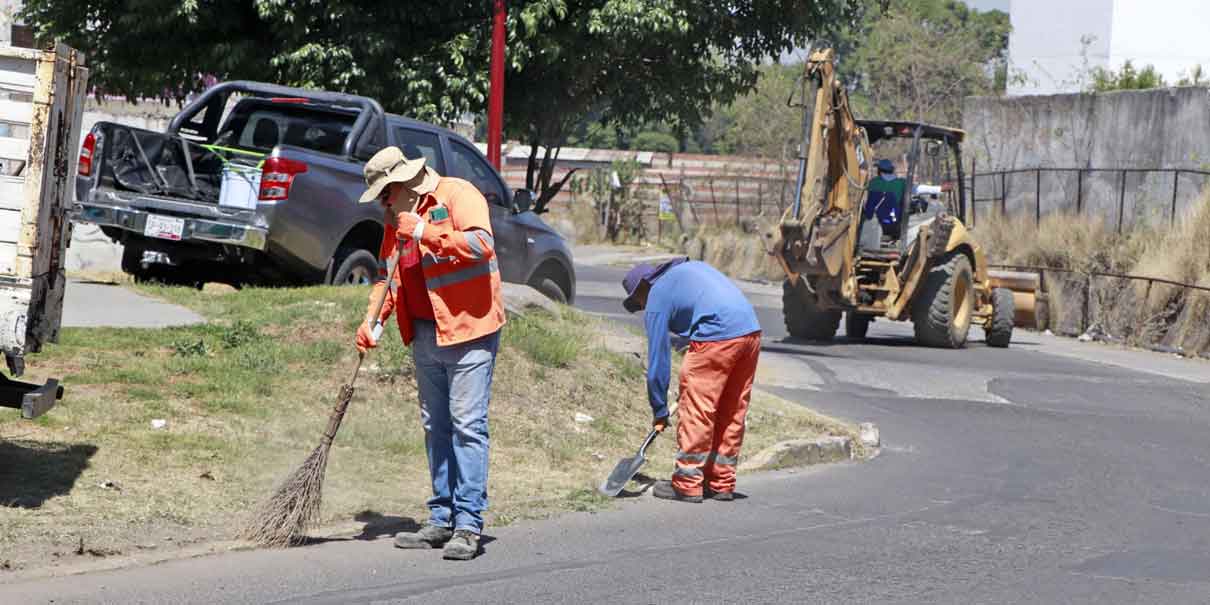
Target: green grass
x: 246, y: 395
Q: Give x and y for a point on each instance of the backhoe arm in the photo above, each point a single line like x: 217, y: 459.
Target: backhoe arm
x: 819, y: 231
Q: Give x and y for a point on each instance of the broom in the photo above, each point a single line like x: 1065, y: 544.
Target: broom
x: 284, y: 518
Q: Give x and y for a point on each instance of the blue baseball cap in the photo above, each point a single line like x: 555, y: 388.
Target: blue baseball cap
x: 885, y: 165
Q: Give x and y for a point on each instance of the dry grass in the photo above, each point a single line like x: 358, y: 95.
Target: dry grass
x: 737, y: 253
x: 247, y: 396
x: 1168, y: 314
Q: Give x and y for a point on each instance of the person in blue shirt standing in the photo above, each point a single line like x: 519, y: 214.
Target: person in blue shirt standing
x: 695, y: 301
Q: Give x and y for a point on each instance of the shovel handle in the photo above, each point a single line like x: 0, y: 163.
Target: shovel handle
x: 647, y: 442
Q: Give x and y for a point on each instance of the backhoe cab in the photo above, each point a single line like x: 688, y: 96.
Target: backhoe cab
x: 869, y: 236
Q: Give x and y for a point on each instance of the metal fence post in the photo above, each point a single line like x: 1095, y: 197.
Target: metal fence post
x: 1122, y: 203
x: 737, y: 220
x: 1176, y: 182
x: 1003, y: 194
x: 972, y: 193
x: 1079, y: 191
x: 1038, y: 197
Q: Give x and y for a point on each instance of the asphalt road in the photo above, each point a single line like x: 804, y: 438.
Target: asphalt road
x: 1045, y: 473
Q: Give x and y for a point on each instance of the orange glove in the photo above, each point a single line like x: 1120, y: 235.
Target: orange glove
x: 365, y: 338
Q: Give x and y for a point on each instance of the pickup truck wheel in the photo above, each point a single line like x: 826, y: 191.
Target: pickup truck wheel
x: 355, y: 267
x: 551, y: 290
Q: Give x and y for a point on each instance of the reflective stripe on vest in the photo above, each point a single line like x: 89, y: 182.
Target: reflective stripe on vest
x: 461, y: 275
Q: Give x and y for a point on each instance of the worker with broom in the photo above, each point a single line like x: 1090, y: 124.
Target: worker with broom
x: 695, y: 301
x: 447, y: 302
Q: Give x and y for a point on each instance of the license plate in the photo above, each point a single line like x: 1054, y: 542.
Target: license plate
x: 164, y: 227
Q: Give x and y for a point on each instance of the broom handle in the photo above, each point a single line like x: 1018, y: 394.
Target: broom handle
x: 346, y: 392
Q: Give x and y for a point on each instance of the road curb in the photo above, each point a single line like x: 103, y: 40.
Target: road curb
x: 822, y: 450
x: 801, y: 452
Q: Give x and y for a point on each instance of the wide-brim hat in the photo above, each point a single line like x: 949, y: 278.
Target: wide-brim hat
x: 388, y: 166
x: 643, y: 273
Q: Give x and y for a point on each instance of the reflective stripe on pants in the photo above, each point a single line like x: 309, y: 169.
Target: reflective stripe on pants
x: 716, y: 386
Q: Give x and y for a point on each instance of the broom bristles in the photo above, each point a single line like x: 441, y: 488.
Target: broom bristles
x: 283, y: 519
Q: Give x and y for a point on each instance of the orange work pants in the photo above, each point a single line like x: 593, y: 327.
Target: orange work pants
x: 716, y: 386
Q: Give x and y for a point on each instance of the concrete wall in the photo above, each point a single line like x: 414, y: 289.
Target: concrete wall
x: 1165, y: 128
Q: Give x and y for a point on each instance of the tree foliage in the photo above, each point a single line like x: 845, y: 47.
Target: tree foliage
x: 918, y: 59
x: 1127, y: 78
x: 627, y: 61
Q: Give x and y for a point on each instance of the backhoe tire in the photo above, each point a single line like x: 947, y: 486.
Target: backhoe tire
x: 803, y: 318
x: 1000, y: 331
x: 942, y: 311
x: 856, y: 325
x: 355, y: 267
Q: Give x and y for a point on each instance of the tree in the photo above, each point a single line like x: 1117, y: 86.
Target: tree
x: 919, y: 59
x: 650, y: 140
x: 1126, y: 78
x: 762, y: 123
x: 643, y: 61
x: 629, y: 61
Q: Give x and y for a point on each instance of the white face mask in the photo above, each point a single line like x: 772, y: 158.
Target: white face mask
x: 888, y: 177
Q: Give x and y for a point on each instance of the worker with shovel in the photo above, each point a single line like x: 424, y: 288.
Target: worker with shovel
x: 446, y: 299
x: 695, y: 301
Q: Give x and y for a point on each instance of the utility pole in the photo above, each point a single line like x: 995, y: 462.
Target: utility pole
x: 495, y: 105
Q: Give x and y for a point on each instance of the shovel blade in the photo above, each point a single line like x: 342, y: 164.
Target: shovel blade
x: 621, y: 475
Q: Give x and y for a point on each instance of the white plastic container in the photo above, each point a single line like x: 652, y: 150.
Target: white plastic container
x: 241, y: 186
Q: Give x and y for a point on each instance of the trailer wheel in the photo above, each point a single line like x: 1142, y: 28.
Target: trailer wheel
x: 942, y: 313
x: 804, y: 319
x: 355, y: 266
x: 1000, y: 330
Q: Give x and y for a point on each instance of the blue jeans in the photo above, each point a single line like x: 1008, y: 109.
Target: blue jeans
x: 455, y: 387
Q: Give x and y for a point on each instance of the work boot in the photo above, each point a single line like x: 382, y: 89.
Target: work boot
x: 664, y: 489
x: 720, y: 496
x: 429, y: 536
x: 463, y: 546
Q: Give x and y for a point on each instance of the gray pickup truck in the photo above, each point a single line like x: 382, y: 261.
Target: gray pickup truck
x: 257, y: 184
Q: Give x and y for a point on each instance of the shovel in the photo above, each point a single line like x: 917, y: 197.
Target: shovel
x: 627, y: 467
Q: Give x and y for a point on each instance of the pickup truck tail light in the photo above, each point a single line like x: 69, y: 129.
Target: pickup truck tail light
x: 277, y: 176
x: 84, y: 165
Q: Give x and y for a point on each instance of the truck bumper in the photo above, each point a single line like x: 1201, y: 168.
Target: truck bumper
x: 196, y: 229
x: 32, y: 399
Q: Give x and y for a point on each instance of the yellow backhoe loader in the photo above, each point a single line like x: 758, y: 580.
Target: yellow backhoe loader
x: 865, y: 239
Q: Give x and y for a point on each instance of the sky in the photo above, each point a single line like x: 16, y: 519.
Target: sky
x: 985, y: 5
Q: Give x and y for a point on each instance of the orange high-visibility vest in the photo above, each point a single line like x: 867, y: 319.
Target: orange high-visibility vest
x: 460, y: 269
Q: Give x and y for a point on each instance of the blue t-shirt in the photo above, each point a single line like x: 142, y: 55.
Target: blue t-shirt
x: 694, y: 301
